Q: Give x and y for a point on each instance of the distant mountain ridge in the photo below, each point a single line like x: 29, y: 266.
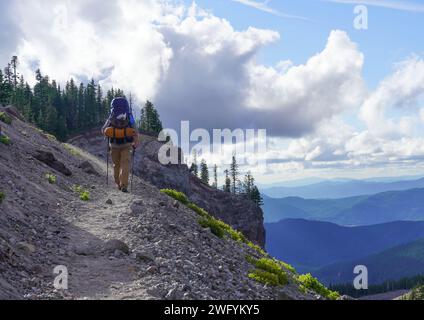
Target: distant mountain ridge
x: 334, y: 189
x: 395, y: 263
x: 309, y: 245
x: 407, y: 205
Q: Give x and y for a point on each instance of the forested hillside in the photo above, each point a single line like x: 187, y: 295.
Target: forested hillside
x: 58, y: 110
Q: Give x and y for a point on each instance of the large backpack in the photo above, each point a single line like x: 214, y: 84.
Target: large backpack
x: 121, y: 118
x: 120, y: 114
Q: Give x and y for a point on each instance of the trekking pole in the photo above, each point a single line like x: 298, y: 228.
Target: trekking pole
x: 132, y: 169
x: 107, y: 170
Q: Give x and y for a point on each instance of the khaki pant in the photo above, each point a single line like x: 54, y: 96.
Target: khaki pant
x: 121, y: 158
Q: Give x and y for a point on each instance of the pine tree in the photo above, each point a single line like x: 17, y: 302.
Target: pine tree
x: 204, y: 172
x: 215, y: 177
x: 41, y: 99
x: 234, y: 175
x: 18, y: 99
x: 248, y: 185
x: 61, y: 131
x: 2, y: 91
x: 71, y: 102
x: 81, y: 114
x: 227, y: 185
x: 90, y: 105
x: 27, y: 108
x: 8, y: 74
x: 14, y: 65
x: 38, y: 75
x: 102, y: 111
x: 6, y: 89
x: 150, y: 120
x: 250, y: 190
x: 194, y: 168
x: 256, y: 196
x: 50, y: 121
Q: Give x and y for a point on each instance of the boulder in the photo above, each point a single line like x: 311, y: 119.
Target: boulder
x: 50, y: 160
x: 113, y: 245
x: 144, y: 256
x: 26, y: 248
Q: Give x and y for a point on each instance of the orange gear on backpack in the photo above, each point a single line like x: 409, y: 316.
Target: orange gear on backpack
x: 114, y: 133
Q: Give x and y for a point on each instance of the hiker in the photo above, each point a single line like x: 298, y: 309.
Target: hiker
x: 122, y: 138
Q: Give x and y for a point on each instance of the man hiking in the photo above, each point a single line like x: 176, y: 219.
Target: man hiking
x: 123, y: 139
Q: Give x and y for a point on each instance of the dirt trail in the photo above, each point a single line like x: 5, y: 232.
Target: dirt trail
x: 93, y: 272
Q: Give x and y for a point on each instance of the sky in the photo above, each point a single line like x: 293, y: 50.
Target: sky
x: 335, y: 101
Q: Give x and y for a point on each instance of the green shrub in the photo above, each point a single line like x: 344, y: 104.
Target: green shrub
x: 51, y: 178
x: 265, y: 277
x: 201, y: 212
x: 307, y: 281
x: 213, y: 225
x: 218, y: 227
x: 179, y: 196
x: 4, y: 117
x: 5, y: 140
x: 237, y: 236
x: 268, y: 264
x: 84, y: 194
x: 257, y: 248
x: 288, y: 267
x: 2, y: 197
x: 268, y: 267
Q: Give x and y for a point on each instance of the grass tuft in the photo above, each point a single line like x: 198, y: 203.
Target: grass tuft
x: 51, y: 178
x: 71, y: 149
x: 2, y: 197
x: 50, y: 137
x: 5, y: 118
x: 5, y: 140
x: 179, y: 196
x: 84, y: 194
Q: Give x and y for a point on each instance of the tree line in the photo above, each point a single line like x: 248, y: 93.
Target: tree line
x: 245, y: 187
x: 387, y: 286
x: 68, y: 110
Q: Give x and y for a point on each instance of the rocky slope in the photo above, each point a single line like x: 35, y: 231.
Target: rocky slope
x: 238, y: 212
x: 143, y: 245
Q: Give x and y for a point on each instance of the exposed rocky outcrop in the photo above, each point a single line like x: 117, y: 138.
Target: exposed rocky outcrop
x: 49, y: 159
x: 240, y: 213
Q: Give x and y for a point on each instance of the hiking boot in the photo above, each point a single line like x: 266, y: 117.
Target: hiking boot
x: 124, y: 190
